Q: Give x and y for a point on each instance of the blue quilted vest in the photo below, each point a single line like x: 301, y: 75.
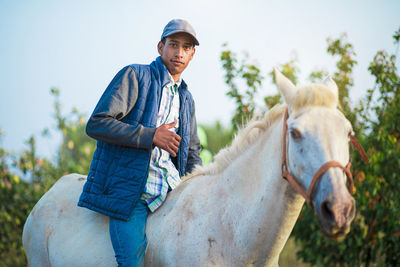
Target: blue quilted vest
x: 118, y: 174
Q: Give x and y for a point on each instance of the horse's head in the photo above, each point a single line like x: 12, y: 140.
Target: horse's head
x: 317, y: 133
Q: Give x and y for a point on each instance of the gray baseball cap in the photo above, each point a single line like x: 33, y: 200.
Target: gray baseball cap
x: 179, y: 25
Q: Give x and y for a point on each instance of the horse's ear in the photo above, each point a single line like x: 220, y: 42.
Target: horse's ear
x: 330, y: 83
x: 287, y: 88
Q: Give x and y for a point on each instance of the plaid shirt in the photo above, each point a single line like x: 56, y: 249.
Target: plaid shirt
x: 162, y: 172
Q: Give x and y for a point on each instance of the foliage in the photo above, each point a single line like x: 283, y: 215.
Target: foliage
x: 205, y: 154
x: 375, y: 233
x: 17, y: 197
x: 218, y: 136
x: 11, y: 210
x: 19, y: 193
x: 290, y: 70
x: 242, y: 93
x: 343, y: 76
x: 381, y: 177
x: 77, y: 148
x: 317, y: 76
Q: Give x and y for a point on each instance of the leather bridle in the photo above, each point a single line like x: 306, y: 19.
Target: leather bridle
x: 318, y: 174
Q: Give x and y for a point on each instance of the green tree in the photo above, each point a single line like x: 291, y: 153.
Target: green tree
x: 19, y: 193
x: 17, y: 198
x: 290, y: 70
x: 76, y: 150
x: 344, y: 74
x: 205, y: 154
x: 379, y: 192
x: 243, y: 80
x: 218, y: 136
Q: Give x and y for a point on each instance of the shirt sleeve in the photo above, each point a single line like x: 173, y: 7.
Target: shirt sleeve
x: 194, y: 145
x: 116, y: 102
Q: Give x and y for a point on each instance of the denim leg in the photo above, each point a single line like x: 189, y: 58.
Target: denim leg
x: 129, y: 237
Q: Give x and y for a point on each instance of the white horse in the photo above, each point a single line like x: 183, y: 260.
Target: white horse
x: 236, y: 211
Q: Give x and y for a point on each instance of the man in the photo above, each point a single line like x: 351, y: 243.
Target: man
x: 146, y: 134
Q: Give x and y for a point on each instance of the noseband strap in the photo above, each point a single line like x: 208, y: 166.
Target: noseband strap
x: 318, y: 174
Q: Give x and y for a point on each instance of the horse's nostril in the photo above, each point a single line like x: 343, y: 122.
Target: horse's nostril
x: 326, y: 211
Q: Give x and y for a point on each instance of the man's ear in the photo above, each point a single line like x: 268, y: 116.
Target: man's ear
x: 160, y: 48
x: 194, y: 51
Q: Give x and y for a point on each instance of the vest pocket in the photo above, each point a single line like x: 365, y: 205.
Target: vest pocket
x: 109, y: 176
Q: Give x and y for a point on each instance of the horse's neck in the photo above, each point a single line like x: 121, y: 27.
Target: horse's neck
x: 267, y: 205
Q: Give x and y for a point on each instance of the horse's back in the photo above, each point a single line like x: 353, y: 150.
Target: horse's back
x: 59, y: 233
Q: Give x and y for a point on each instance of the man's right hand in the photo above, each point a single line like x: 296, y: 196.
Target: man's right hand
x: 166, y: 139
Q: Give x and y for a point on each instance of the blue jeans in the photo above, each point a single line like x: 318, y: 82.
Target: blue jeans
x: 128, y: 238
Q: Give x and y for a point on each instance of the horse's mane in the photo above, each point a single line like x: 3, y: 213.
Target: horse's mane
x: 245, y: 137
x: 306, y: 96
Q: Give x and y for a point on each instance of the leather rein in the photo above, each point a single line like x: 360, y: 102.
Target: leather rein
x: 318, y: 174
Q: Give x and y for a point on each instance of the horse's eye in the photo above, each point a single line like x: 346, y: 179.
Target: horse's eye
x: 296, y: 135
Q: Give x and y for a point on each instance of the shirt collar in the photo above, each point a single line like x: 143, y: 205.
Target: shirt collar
x: 171, y: 80
x: 166, y: 77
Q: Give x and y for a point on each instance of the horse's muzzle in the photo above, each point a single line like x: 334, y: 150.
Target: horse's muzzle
x: 335, y: 217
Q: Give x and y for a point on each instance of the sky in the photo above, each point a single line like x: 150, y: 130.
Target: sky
x: 78, y: 47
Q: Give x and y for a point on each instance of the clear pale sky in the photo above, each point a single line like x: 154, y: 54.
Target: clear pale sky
x: 78, y: 46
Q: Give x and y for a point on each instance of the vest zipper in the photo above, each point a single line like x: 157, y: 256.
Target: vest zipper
x: 180, y: 159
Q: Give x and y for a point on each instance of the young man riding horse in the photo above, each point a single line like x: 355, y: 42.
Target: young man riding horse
x: 146, y: 133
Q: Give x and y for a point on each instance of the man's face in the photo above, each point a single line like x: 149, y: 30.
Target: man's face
x: 176, y: 53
